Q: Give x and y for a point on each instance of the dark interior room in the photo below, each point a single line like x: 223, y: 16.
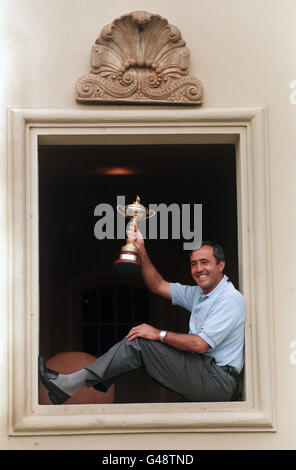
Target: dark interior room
x: 85, y: 303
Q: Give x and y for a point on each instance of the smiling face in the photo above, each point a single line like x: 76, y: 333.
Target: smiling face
x: 204, y: 268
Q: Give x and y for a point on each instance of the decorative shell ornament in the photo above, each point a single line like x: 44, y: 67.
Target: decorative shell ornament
x: 139, y: 58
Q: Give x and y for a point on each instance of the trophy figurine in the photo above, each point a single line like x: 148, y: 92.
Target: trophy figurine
x: 129, y: 259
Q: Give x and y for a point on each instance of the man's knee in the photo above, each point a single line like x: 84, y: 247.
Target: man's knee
x: 141, y: 344
x: 136, y: 343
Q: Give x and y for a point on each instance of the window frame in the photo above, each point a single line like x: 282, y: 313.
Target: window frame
x: 247, y: 129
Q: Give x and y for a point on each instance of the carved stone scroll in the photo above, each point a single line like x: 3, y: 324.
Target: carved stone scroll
x: 139, y: 58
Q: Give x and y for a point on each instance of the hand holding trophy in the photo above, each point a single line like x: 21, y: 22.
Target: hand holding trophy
x: 129, y: 259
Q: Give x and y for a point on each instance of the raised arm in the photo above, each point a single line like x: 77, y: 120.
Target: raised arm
x: 153, y: 280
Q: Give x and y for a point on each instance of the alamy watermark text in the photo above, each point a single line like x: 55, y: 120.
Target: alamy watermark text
x: 174, y: 221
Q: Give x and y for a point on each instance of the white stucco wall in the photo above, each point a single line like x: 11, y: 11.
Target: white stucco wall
x: 244, y: 53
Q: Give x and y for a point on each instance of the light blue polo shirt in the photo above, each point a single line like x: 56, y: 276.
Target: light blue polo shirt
x: 217, y: 317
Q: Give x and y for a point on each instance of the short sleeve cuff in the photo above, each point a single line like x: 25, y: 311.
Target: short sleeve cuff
x: 173, y: 293
x: 206, y: 338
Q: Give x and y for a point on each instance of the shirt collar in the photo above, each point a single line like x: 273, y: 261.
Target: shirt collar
x: 217, y: 289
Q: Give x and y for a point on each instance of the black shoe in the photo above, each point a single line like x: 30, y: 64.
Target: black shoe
x: 57, y: 396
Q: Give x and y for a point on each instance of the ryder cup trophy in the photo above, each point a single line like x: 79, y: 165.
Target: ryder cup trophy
x: 129, y: 259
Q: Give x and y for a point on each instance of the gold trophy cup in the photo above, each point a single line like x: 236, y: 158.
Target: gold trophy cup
x: 129, y: 259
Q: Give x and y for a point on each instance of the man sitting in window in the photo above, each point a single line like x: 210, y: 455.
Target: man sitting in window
x: 203, y: 365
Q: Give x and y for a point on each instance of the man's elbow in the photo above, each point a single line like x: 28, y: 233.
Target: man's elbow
x: 201, y: 346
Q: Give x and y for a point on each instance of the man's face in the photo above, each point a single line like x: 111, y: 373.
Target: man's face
x: 204, y: 269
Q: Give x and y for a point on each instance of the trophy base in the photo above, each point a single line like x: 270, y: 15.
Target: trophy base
x: 128, y: 260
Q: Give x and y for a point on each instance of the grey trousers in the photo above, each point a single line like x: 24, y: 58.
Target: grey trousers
x: 194, y: 376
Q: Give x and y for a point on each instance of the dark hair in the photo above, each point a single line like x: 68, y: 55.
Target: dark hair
x: 218, y: 251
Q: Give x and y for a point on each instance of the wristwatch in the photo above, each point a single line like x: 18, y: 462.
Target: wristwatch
x: 162, y: 335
